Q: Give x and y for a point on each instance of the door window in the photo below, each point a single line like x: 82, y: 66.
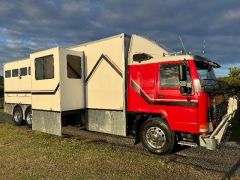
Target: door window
x: 74, y: 69
x: 169, y: 75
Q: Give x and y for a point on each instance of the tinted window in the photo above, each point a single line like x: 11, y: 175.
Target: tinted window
x: 29, y: 70
x: 74, y: 70
x: 23, y: 71
x: 44, y: 67
x: 169, y: 75
x: 7, y: 73
x: 14, y: 72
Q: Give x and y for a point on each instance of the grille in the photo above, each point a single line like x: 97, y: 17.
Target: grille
x: 216, y: 112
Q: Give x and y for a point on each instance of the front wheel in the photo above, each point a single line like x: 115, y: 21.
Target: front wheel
x: 157, y: 137
x: 28, y: 117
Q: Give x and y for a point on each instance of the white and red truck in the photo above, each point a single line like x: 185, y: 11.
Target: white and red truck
x: 122, y: 85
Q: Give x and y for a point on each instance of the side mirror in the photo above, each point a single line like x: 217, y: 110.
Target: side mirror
x: 184, y: 89
x: 141, y: 57
x: 185, y: 86
x: 183, y: 72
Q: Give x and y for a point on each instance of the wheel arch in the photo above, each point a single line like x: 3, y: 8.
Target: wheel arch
x: 140, y: 119
x: 156, y: 136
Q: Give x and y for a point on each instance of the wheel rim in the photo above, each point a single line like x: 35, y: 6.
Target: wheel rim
x: 17, y: 116
x: 155, y: 137
x: 29, y: 118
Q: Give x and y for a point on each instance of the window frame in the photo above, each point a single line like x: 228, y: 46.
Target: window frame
x: 42, y: 59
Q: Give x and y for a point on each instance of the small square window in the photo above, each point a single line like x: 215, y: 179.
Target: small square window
x: 23, y: 71
x: 8, y: 74
x: 15, y: 73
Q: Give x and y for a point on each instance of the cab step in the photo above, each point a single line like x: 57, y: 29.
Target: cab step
x: 188, y: 143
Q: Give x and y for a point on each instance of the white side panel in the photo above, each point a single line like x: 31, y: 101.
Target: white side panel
x: 72, y: 90
x: 108, y: 92
x: 104, y: 68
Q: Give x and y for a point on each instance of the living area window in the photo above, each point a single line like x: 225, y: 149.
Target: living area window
x: 44, y: 67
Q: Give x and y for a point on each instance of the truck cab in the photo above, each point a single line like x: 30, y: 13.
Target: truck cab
x: 176, y: 98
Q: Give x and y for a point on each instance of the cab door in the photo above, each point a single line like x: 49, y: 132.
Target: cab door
x: 181, y: 108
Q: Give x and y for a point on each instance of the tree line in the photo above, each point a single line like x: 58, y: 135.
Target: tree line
x: 233, y: 78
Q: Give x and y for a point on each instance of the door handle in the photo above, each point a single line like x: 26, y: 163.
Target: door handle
x: 160, y: 96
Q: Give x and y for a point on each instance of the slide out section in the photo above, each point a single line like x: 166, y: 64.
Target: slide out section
x: 56, y: 87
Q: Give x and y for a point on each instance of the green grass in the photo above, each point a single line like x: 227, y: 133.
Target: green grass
x: 28, y: 154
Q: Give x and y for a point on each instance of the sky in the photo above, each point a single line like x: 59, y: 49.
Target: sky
x: 28, y: 26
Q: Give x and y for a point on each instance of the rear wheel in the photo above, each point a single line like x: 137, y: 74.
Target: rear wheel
x: 157, y: 137
x: 28, y: 117
x: 18, y: 116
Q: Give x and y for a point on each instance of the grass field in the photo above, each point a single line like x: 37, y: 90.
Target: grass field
x: 27, y: 154
x: 33, y: 155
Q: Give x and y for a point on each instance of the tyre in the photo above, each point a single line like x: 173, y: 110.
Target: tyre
x: 28, y: 117
x: 17, y: 116
x: 157, y: 137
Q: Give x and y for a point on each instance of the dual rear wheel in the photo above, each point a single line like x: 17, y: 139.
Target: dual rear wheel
x: 18, y: 116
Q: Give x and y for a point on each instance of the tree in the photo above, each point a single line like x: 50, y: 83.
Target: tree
x: 234, y: 72
x: 233, y: 78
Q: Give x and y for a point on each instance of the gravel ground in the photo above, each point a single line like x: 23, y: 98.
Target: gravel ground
x: 221, y: 164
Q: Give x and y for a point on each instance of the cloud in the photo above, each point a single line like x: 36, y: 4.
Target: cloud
x: 28, y: 26
x: 232, y: 15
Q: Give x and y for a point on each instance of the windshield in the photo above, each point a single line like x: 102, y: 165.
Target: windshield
x: 208, y: 78
x: 206, y: 74
x: 205, y: 71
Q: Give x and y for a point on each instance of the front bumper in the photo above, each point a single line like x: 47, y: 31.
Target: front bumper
x: 221, y: 134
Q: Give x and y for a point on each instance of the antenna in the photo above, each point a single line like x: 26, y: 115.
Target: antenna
x: 204, y: 47
x: 182, y: 44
